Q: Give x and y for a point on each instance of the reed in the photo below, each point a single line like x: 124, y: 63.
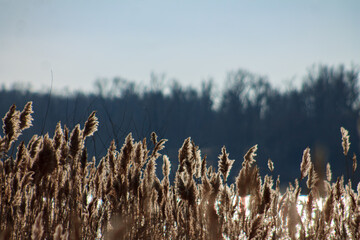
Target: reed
x: 51, y: 190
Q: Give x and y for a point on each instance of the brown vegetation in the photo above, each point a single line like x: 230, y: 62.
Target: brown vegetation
x: 51, y: 191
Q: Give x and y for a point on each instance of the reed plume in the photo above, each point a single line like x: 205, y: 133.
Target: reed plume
x: 345, y: 140
x: 58, y: 136
x: 354, y: 165
x: 328, y: 172
x: 249, y: 156
x: 305, y: 163
x: 225, y: 163
x: 270, y: 165
x: 25, y: 116
x: 11, y: 128
x: 91, y: 125
x: 76, y: 141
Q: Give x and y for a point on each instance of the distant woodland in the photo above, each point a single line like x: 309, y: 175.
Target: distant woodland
x: 248, y: 111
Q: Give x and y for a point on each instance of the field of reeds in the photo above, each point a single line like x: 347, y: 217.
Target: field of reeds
x: 50, y: 189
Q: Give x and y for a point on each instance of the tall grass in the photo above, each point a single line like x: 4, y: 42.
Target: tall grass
x: 51, y: 190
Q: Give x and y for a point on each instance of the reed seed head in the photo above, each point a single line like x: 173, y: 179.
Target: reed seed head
x: 91, y: 125
x: 345, y: 140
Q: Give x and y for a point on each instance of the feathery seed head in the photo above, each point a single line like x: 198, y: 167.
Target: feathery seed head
x: 158, y: 147
x: 21, y: 153
x: 45, y: 161
x: 34, y: 145
x: 76, y: 141
x: 328, y: 172
x: 225, y: 163
x: 196, y: 159
x: 216, y: 184
x: 203, y: 167
x: 58, y: 136
x: 166, y: 166
x: 305, y: 163
x: 66, y: 133
x: 25, y: 116
x: 184, y: 154
x: 126, y: 153
x: 154, y: 138
x: 354, y: 165
x: 11, y: 125
x: 249, y: 156
x: 312, y: 178
x: 91, y: 125
x: 270, y: 165
x: 185, y: 150
x: 345, y: 140
x: 138, y: 155
x: 186, y: 189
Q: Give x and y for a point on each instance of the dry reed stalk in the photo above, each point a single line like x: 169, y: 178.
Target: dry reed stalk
x: 11, y: 128
x: 138, y: 155
x: 126, y: 153
x: 305, y: 163
x: 212, y: 217
x: 186, y: 188
x: 249, y: 156
x: 184, y: 153
x: 76, y: 141
x: 248, y: 175
x: 312, y: 178
x: 158, y: 145
x: 328, y: 172
x: 166, y: 181
x: 266, y: 195
x: 91, y: 125
x: 38, y: 228
x: 25, y: 116
x: 345, y: 140
x: 58, y: 136
x: 329, y: 208
x: 45, y: 161
x: 354, y: 165
x: 270, y: 165
x: 225, y: 163
x: 256, y: 227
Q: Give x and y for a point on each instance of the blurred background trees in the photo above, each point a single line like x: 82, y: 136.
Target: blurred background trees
x: 248, y: 111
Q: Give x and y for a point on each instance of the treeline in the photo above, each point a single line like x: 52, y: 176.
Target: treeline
x: 248, y: 111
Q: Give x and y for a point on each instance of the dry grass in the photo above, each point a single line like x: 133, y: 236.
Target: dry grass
x: 51, y: 191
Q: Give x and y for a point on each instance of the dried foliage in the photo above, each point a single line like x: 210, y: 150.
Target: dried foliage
x: 50, y: 190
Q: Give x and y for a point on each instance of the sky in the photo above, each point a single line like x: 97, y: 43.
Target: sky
x: 76, y: 42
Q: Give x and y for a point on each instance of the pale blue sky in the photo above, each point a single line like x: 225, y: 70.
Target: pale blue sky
x: 81, y: 41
